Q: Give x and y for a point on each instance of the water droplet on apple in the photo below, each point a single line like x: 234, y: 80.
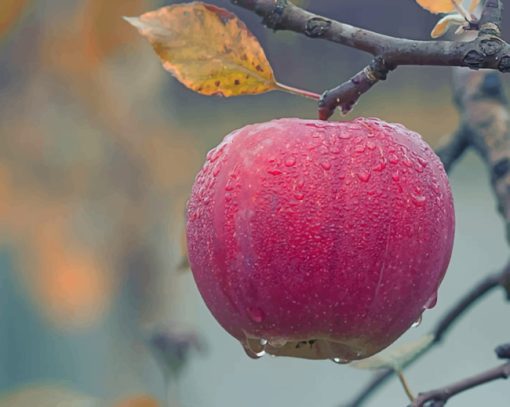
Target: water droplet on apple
x: 418, y: 200
x: 380, y: 166
x: 395, y: 176
x: 340, y: 361
x: 274, y: 171
x: 363, y: 175
x: 255, y: 314
x: 215, y: 153
x: 211, y: 155
x: 290, y: 162
x: 299, y: 196
x: 431, y: 302
x: 417, y: 323
x: 359, y: 148
x: 252, y: 353
x: 371, y: 145
x: 422, y: 162
x: 392, y: 158
x: 326, y: 165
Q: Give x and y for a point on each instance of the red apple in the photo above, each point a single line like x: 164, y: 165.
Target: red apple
x: 320, y: 240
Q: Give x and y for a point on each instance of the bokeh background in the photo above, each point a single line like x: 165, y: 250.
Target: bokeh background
x: 98, y: 149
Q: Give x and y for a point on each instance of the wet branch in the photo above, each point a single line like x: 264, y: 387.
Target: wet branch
x: 488, y: 50
x: 479, y: 291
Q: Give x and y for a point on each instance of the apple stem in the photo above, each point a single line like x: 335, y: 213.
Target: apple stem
x: 297, y: 91
x: 405, y: 385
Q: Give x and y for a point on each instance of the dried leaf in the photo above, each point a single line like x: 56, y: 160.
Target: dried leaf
x: 446, y: 6
x: 208, y: 49
x: 397, y: 358
x: 444, y: 24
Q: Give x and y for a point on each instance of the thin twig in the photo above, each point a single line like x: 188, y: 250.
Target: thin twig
x: 466, y: 302
x: 453, y: 149
x: 347, y: 94
x: 443, y: 394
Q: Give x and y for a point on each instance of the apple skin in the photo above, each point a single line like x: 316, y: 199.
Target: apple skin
x: 320, y: 239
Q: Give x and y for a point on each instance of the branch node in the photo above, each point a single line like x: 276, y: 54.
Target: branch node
x: 490, y: 28
x: 274, y: 18
x: 503, y: 351
x: 379, y: 69
x: 504, y: 64
x: 474, y: 59
x: 490, y: 46
x: 316, y: 27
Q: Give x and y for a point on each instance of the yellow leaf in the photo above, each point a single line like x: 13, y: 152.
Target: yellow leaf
x: 446, y: 6
x: 444, y: 24
x: 208, y: 49
x: 437, y: 6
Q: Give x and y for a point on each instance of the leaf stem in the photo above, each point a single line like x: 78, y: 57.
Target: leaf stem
x: 462, y: 11
x: 405, y: 385
x: 297, y: 91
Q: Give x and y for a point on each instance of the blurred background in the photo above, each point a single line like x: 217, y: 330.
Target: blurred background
x: 99, y: 147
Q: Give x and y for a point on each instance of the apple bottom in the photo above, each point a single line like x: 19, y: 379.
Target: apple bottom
x: 323, y: 348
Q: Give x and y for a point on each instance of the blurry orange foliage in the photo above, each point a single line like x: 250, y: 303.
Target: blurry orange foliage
x: 96, y: 31
x: 138, y: 401
x: 88, y: 163
x: 71, y: 284
x: 10, y: 12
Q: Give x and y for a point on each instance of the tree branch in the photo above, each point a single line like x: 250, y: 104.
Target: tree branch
x: 442, y: 395
x: 485, y: 118
x: 453, y: 150
x: 479, y: 291
x: 347, y: 94
x: 488, y: 50
x: 490, y: 21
